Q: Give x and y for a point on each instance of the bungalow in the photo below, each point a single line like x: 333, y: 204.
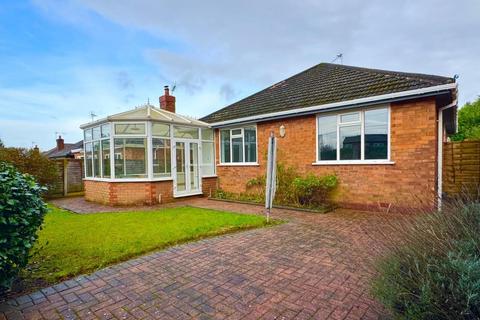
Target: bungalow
x: 380, y: 132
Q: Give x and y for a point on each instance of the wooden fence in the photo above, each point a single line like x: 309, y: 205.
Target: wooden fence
x: 70, y: 178
x: 461, y: 168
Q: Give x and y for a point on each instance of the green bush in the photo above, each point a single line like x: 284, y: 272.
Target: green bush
x: 32, y: 162
x: 21, y: 215
x: 314, y: 189
x: 293, y: 189
x: 433, y: 272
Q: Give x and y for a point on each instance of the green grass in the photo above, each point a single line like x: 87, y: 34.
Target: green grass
x: 72, y: 244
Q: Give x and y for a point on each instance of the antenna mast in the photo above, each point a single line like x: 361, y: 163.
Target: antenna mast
x: 338, y: 57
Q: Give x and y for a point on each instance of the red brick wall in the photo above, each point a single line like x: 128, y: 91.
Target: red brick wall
x: 137, y: 193
x: 209, y: 185
x: 409, y: 181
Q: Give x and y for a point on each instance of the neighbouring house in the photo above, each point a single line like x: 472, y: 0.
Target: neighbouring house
x: 68, y: 157
x: 376, y: 130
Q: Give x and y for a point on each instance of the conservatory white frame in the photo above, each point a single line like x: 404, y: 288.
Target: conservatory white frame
x: 149, y: 152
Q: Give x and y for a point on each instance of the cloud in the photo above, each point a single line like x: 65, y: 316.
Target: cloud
x: 255, y: 43
x: 220, y: 51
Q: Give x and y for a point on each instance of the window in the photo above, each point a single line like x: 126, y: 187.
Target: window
x: 185, y: 132
x: 88, y: 134
x: 353, y: 136
x: 208, y: 153
x: 88, y: 160
x: 106, y: 158
x: 225, y: 144
x: 350, y: 130
x: 131, y: 161
x: 106, y: 130
x: 239, y: 145
x: 376, y: 134
x: 130, y: 128
x: 97, y: 152
x: 207, y: 134
x: 162, y: 161
x: 96, y: 133
x: 96, y: 159
x: 161, y: 130
x: 327, y: 138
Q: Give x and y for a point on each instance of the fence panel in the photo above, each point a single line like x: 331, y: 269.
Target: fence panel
x: 461, y: 167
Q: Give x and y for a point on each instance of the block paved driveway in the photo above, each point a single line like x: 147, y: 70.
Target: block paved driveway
x: 312, y: 267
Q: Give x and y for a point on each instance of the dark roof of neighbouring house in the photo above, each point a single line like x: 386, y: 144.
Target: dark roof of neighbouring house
x: 66, y: 152
x: 323, y: 84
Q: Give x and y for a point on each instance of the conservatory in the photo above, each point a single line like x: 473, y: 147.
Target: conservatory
x: 147, y: 155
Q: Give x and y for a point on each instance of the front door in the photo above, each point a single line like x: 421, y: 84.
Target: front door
x: 186, y: 169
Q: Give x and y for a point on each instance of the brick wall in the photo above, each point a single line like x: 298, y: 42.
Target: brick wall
x: 409, y: 182
x: 137, y: 193
x: 209, y: 185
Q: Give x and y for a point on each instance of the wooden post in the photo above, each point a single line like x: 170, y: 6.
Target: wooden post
x: 65, y: 177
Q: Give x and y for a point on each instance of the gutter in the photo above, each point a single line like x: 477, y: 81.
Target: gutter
x: 440, y: 128
x: 435, y: 90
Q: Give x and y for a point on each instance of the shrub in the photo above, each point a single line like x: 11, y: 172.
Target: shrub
x: 313, y: 189
x: 433, y: 272
x: 21, y: 215
x: 292, y: 189
x: 32, y: 162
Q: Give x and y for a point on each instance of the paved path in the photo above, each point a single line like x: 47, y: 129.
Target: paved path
x: 313, y: 267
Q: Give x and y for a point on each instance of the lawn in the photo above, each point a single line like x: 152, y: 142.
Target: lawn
x: 72, y: 244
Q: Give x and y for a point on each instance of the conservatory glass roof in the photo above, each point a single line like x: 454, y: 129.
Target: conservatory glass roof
x: 148, y: 113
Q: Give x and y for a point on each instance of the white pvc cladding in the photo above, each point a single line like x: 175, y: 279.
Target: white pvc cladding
x: 137, y: 145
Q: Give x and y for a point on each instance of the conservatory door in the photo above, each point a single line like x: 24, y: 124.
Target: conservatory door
x: 186, y: 169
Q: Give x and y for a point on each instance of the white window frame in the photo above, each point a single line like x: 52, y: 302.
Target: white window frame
x: 242, y: 135
x: 149, y: 144
x: 214, y: 154
x: 362, y: 137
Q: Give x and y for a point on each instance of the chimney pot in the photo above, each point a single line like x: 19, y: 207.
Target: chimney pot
x: 60, y: 143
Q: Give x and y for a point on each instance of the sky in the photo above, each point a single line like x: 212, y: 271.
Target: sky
x: 62, y: 60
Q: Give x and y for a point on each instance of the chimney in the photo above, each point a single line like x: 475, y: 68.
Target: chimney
x: 60, y: 143
x: 36, y: 149
x: 167, y: 102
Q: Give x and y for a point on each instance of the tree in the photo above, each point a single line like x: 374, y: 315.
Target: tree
x: 30, y: 161
x: 1, y: 144
x: 469, y: 122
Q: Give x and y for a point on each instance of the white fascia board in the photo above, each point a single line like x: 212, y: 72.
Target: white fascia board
x: 448, y: 86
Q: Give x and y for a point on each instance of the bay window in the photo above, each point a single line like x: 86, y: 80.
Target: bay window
x: 238, y: 145
x: 97, y: 151
x: 353, y: 136
x: 144, y: 150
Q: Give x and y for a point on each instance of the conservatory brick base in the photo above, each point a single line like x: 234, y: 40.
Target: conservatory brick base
x: 137, y: 193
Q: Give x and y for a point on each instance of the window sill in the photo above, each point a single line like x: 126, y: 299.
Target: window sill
x: 128, y: 179
x: 238, y: 164
x: 353, y: 162
x: 210, y: 176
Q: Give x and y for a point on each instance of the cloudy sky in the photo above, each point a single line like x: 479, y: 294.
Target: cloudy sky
x: 60, y: 60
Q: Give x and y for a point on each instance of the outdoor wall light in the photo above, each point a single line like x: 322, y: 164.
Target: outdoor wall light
x: 282, y: 131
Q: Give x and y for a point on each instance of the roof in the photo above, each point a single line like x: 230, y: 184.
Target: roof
x: 323, y: 84
x: 66, y: 152
x: 149, y: 112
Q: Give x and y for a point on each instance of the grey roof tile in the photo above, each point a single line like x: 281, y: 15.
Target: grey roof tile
x: 322, y: 84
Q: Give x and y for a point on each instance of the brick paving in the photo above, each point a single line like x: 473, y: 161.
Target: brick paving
x: 312, y: 267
